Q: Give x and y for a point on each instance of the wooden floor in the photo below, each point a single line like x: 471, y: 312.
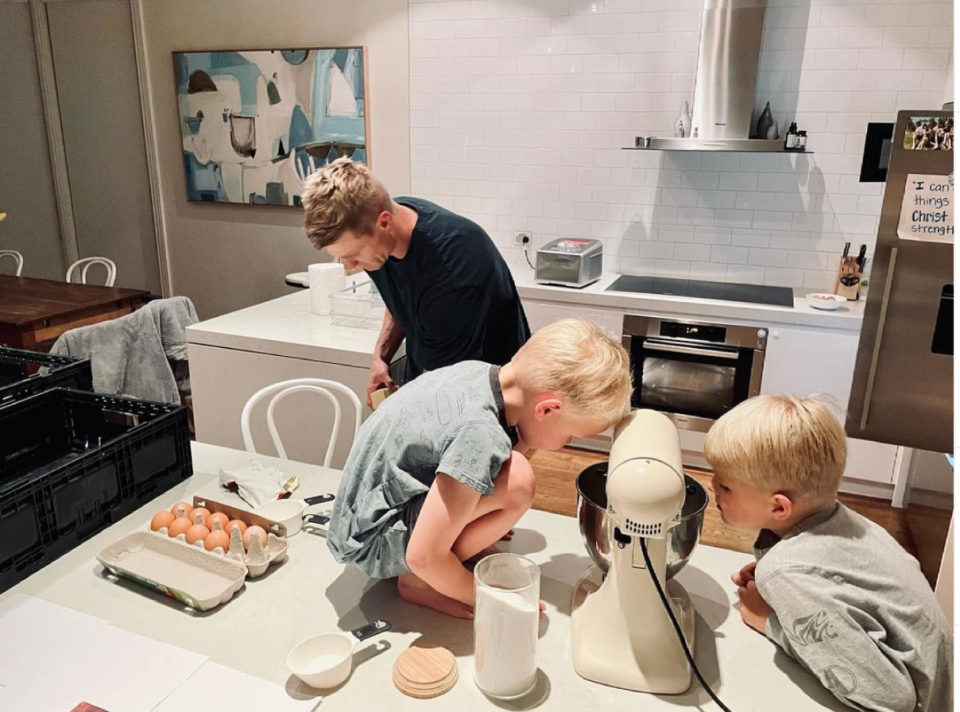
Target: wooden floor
x: 557, y: 492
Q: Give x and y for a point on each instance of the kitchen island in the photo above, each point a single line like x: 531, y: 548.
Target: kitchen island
x: 310, y: 594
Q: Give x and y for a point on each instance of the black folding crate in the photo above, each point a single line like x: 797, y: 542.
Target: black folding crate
x: 72, y: 463
x: 25, y: 373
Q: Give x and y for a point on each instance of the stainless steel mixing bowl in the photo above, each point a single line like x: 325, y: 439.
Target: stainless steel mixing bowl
x: 596, y: 526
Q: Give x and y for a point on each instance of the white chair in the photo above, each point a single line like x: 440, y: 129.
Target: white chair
x: 87, y: 263
x: 299, y: 385
x: 16, y: 257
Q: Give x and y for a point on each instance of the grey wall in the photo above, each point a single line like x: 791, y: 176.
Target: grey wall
x: 26, y: 186
x: 225, y: 257
x: 97, y: 84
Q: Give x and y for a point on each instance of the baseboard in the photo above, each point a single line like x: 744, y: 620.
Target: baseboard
x: 863, y: 488
x: 931, y: 498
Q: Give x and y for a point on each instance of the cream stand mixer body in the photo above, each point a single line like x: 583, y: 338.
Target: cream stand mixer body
x: 621, y: 633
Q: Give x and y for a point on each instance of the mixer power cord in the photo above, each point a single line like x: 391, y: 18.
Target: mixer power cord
x: 676, y: 626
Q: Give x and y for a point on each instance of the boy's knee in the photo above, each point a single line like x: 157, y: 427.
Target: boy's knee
x: 522, y: 484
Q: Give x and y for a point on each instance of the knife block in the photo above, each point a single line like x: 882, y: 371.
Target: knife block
x: 848, y: 279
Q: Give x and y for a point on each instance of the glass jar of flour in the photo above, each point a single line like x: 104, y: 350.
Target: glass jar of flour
x: 506, y: 625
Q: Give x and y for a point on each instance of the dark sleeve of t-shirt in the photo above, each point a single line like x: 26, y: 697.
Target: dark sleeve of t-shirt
x: 457, y: 319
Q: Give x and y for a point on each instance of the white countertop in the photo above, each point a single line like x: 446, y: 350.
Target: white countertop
x: 847, y: 317
x: 286, y: 327
x: 310, y: 594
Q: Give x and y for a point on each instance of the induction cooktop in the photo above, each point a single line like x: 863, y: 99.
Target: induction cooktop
x: 697, y: 289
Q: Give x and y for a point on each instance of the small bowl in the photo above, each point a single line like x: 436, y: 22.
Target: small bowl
x: 323, y: 661
x: 288, y: 512
x: 827, y: 302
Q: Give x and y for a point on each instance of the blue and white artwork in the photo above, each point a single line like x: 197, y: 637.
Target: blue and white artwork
x: 256, y: 124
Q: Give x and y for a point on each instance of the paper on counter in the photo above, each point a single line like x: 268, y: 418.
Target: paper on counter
x: 32, y: 632
x: 216, y: 687
x: 94, y: 663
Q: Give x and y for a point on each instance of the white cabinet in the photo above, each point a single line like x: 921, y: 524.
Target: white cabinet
x: 235, y: 355
x: 539, y: 314
x: 804, y: 362
x: 223, y: 380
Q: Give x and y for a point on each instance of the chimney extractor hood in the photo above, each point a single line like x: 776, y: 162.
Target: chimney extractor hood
x: 730, y: 36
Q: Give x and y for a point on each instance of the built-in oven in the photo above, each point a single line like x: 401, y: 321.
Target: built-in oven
x: 693, y: 372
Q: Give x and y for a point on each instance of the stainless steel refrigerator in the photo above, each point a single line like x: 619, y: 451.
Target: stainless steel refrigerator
x: 903, y: 382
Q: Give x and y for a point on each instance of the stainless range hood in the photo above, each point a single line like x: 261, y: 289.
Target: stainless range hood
x: 730, y: 36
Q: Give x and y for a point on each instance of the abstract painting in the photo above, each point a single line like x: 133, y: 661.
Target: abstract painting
x: 256, y: 123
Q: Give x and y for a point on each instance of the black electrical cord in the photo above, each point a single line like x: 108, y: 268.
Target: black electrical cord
x: 676, y: 626
x: 527, y: 255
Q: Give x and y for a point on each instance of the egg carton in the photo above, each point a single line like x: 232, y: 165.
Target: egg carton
x: 260, y: 557
x: 257, y: 560
x: 196, y: 577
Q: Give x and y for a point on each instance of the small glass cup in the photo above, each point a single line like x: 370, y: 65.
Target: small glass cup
x: 506, y: 625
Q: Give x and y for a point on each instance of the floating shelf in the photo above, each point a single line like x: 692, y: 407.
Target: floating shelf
x: 731, y: 145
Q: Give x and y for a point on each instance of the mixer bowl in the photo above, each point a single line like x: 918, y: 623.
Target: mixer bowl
x: 596, y: 527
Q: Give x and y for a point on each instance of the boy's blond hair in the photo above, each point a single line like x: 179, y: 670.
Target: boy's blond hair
x: 342, y: 196
x: 781, y: 444
x: 577, y: 361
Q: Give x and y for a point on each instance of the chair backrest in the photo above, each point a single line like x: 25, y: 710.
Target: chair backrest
x: 87, y: 263
x: 16, y: 257
x: 299, y: 385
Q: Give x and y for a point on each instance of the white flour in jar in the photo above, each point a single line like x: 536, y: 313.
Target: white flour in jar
x: 505, y: 636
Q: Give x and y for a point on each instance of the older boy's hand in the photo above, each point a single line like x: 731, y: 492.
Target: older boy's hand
x: 742, y: 577
x: 753, y: 609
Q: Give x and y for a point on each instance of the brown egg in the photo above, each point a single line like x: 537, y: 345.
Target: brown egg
x: 201, y: 515
x: 236, y: 523
x: 218, y: 521
x: 216, y: 538
x: 179, y: 526
x: 196, y: 533
x: 251, y: 532
x: 181, y: 509
x: 161, y: 520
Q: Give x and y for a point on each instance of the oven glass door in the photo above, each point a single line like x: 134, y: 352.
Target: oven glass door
x: 704, y: 381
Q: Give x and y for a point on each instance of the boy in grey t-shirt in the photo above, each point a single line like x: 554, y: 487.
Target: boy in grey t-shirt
x: 433, y: 478
x: 830, y: 587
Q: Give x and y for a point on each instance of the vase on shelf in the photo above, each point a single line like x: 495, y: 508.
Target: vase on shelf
x: 764, y: 122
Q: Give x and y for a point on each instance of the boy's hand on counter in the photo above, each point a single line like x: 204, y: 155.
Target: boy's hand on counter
x: 745, y: 575
x: 753, y: 609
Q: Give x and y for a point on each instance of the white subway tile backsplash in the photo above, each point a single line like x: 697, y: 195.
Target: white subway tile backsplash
x: 729, y: 255
x: 520, y: 108
x: 775, y: 276
x: 882, y: 59
x: 750, y: 238
x: 767, y: 258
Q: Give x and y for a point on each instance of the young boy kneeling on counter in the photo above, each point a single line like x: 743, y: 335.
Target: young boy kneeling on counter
x: 830, y: 587
x: 437, y: 476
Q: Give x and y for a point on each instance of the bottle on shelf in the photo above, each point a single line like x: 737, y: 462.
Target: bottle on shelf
x: 791, y: 140
x: 801, y: 140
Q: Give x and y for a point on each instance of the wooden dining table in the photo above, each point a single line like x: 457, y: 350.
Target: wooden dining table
x: 33, y: 311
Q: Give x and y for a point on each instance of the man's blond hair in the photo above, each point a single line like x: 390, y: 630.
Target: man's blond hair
x: 575, y: 360
x: 781, y: 444
x: 342, y: 196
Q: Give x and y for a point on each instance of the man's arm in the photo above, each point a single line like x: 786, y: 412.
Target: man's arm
x: 391, y: 336
x: 447, y: 510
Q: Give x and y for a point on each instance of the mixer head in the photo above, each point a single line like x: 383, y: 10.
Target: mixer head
x: 645, y: 486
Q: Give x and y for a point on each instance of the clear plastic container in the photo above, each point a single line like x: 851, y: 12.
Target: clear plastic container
x: 506, y: 625
x: 358, y: 306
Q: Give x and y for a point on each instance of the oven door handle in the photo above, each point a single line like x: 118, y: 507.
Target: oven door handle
x: 691, y: 350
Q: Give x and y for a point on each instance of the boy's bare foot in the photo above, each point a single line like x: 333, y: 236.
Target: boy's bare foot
x: 414, y: 590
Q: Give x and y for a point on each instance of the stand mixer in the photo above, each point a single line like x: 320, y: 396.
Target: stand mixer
x: 621, y: 633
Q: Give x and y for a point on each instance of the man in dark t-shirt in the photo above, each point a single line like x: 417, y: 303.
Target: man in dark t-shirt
x: 447, y: 289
